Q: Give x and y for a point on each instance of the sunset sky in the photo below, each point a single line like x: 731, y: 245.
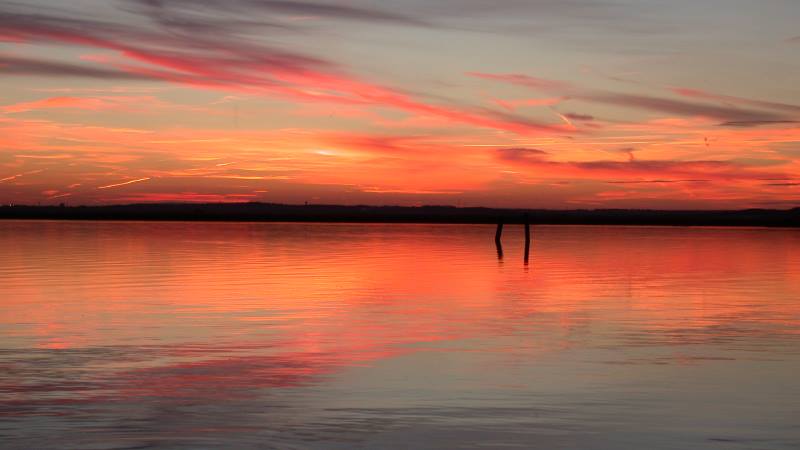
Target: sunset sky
x: 508, y: 103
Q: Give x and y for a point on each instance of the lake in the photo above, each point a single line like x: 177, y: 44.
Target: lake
x: 128, y: 335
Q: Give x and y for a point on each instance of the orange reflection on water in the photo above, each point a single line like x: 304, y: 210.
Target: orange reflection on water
x: 188, y: 309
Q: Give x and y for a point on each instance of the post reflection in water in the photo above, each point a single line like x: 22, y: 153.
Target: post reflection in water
x: 200, y: 335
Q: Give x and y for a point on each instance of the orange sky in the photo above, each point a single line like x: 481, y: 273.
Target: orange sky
x: 527, y: 104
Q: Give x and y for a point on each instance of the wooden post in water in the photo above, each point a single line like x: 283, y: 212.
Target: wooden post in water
x: 497, y: 235
x: 527, y: 238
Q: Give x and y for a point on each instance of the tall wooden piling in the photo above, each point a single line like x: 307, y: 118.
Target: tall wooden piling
x: 497, y: 235
x: 527, y: 238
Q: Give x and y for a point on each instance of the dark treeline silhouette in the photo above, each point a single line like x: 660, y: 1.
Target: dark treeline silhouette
x: 401, y: 214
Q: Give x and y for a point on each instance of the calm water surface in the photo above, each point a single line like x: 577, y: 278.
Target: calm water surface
x: 239, y: 335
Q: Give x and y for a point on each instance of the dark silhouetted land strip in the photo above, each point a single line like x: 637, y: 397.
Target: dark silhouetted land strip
x: 269, y: 212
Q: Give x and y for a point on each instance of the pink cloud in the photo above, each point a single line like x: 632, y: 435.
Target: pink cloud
x: 633, y: 168
x: 524, y: 80
x: 58, y: 102
x: 512, y: 105
x: 231, y: 64
x: 184, y: 197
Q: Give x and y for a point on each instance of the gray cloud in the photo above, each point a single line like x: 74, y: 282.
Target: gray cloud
x: 29, y: 67
x: 731, y: 100
x: 521, y: 154
x: 686, y: 171
x: 164, y: 10
x: 727, y: 109
x: 576, y: 116
x: 756, y: 123
x: 682, y: 107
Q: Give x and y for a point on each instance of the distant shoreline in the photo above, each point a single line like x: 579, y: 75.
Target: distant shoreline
x: 270, y: 212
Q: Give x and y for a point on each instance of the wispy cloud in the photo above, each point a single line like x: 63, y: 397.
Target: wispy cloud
x: 10, y: 65
x: 138, y: 180
x: 230, y: 63
x: 168, y: 11
x: 732, y: 100
x: 732, y: 111
x: 582, y: 117
x: 757, y: 123
x: 524, y: 80
x: 521, y: 154
x: 681, y: 107
x: 90, y: 103
x: 665, y: 169
x: 19, y: 175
